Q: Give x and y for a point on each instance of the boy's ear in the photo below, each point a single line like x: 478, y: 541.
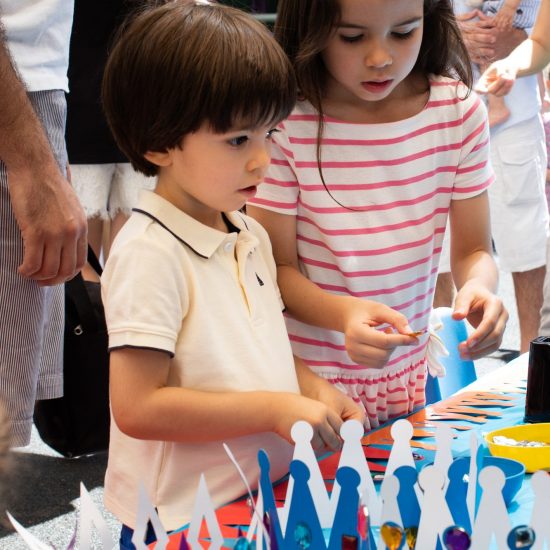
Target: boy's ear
x: 159, y: 158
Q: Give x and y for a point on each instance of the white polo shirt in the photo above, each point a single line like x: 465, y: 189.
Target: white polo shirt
x: 210, y: 300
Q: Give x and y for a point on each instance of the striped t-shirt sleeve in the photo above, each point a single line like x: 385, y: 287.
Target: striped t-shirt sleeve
x: 474, y: 172
x: 280, y: 189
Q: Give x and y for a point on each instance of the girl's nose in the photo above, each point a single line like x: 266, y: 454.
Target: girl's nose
x: 378, y: 56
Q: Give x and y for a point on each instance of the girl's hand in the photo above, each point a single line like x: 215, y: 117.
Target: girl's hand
x: 368, y: 345
x: 484, y: 311
x: 288, y: 408
x: 498, y: 79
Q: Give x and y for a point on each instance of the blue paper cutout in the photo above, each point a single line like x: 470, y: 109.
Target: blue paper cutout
x: 345, y: 518
x: 270, y: 509
x: 273, y: 544
x: 406, y: 498
x: 302, y: 509
x: 479, y: 462
x: 456, y: 494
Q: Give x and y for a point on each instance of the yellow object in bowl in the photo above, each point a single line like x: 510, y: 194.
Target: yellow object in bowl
x: 533, y: 458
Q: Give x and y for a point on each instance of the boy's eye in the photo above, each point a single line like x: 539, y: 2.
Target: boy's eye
x: 238, y: 141
x: 351, y: 39
x: 269, y: 134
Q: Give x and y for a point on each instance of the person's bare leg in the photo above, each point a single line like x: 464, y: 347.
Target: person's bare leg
x: 95, y: 235
x: 115, y: 225
x: 444, y: 291
x: 528, y: 288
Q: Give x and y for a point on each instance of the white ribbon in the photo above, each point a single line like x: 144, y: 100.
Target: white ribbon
x: 436, y: 348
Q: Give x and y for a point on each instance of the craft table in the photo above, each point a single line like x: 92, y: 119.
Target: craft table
x: 508, y: 382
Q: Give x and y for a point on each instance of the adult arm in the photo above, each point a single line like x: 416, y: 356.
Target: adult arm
x: 485, y: 41
x: 356, y: 318
x: 476, y: 276
x: 49, y: 215
x: 529, y: 57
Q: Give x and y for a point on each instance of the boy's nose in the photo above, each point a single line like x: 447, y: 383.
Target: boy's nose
x: 260, y: 160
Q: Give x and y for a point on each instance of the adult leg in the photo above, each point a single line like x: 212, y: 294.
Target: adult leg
x: 92, y: 183
x: 519, y: 216
x: 528, y: 287
x: 544, y: 329
x: 31, y: 317
x: 126, y: 187
x: 444, y: 291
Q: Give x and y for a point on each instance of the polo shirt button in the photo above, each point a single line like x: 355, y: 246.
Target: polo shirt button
x: 228, y: 247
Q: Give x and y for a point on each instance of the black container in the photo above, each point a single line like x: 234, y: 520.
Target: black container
x: 537, y: 400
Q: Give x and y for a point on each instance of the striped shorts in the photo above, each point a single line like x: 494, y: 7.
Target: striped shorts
x: 31, y: 317
x: 525, y: 14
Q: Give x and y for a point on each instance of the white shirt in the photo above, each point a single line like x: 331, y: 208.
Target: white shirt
x: 38, y: 34
x: 209, y: 299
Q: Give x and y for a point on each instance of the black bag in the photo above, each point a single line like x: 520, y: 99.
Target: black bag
x: 78, y: 423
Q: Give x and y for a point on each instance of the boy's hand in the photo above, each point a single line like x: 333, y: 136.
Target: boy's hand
x: 289, y: 408
x: 484, y: 311
x: 367, y: 345
x: 339, y: 402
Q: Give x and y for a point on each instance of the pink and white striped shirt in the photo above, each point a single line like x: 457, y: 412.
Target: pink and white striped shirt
x: 399, y: 178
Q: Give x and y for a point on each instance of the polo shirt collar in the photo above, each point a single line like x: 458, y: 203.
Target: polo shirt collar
x: 200, y: 238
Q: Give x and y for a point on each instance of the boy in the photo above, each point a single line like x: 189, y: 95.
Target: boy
x: 199, y: 350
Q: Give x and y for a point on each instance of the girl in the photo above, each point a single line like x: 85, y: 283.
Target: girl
x: 382, y: 147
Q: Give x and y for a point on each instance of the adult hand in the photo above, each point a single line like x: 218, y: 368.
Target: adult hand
x: 478, y: 36
x: 484, y: 311
x: 484, y: 40
x: 52, y: 223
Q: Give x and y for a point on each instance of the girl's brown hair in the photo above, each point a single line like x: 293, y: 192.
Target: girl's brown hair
x: 303, y: 28
x: 183, y: 64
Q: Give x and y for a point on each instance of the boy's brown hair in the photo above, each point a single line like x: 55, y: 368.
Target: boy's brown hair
x: 183, y: 64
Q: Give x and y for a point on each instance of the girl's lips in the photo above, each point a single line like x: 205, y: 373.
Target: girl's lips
x: 376, y: 86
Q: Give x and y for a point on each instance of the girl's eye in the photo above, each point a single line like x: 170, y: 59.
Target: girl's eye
x: 403, y: 35
x: 351, y: 39
x: 269, y: 134
x: 238, y: 141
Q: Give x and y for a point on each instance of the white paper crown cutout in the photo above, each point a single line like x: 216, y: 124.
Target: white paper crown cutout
x: 486, y: 515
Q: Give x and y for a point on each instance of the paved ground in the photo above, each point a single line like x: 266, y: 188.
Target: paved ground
x: 44, y: 493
